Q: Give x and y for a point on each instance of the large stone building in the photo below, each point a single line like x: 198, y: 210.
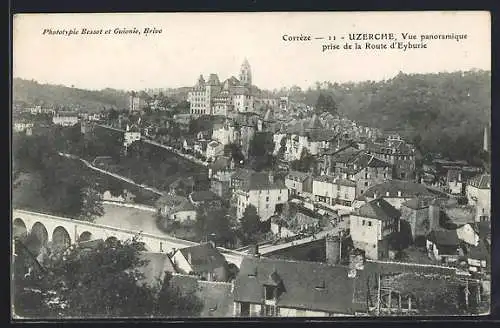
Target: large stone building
x: 215, y: 98
x: 398, y: 153
x: 260, y: 190
x: 371, y: 225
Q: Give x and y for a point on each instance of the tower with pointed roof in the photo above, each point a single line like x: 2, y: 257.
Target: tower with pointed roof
x: 246, y: 73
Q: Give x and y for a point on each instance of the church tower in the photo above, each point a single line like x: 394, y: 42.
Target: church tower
x: 245, y: 73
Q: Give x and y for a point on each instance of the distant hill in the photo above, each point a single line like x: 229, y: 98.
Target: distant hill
x: 442, y: 112
x: 32, y: 92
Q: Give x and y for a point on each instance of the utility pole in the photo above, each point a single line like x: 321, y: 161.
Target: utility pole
x: 378, y: 296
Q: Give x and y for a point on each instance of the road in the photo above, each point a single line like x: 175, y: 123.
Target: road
x: 152, y: 142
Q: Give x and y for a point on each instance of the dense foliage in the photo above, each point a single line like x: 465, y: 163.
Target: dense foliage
x: 100, y: 282
x: 46, y: 181
x: 443, y: 113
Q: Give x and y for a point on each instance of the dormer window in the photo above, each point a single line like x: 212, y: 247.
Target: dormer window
x: 270, y: 293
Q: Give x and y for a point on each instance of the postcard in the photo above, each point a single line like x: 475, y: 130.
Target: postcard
x: 258, y: 164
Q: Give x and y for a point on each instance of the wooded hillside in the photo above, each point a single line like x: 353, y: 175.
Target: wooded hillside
x: 444, y: 113
x: 32, y: 92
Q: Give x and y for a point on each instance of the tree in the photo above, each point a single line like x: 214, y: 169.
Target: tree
x: 326, y: 103
x: 250, y: 224
x: 103, y: 282
x: 91, y: 204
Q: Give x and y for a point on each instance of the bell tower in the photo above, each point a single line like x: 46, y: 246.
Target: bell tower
x: 245, y: 73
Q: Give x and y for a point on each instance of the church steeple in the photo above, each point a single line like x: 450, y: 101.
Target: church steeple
x: 245, y: 73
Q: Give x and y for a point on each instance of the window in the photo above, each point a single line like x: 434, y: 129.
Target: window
x: 189, y: 217
x: 279, y: 198
x: 245, y: 309
x: 366, y: 184
x: 270, y: 311
x: 363, y: 223
x: 267, y: 198
x: 267, y: 205
x: 270, y: 293
x: 369, y: 223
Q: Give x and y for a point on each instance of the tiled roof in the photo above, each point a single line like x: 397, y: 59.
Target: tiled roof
x: 204, y: 257
x: 378, y: 209
x: 303, y: 285
x: 408, y: 189
x: 482, y: 181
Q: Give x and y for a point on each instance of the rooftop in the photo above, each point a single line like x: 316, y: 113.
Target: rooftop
x: 203, y: 196
x: 408, y: 189
x: 303, y: 285
x: 378, y: 209
x: 203, y: 258
x: 175, y: 203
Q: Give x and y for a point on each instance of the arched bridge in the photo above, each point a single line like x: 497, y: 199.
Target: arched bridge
x: 62, y: 232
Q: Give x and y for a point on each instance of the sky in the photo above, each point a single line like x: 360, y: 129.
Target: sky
x: 202, y: 43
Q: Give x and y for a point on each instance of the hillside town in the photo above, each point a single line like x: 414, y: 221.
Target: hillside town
x: 263, y: 206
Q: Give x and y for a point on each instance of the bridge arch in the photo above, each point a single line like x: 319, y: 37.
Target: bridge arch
x: 85, y: 236
x: 40, y: 236
x: 61, y: 238
x: 19, y: 228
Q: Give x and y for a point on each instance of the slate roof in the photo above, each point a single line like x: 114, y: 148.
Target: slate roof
x: 304, y: 285
x: 251, y: 180
x: 378, y: 209
x: 204, y: 196
x: 444, y: 237
x: 157, y: 264
x: 482, y: 181
x: 204, y: 257
x: 217, y: 297
x: 408, y: 189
